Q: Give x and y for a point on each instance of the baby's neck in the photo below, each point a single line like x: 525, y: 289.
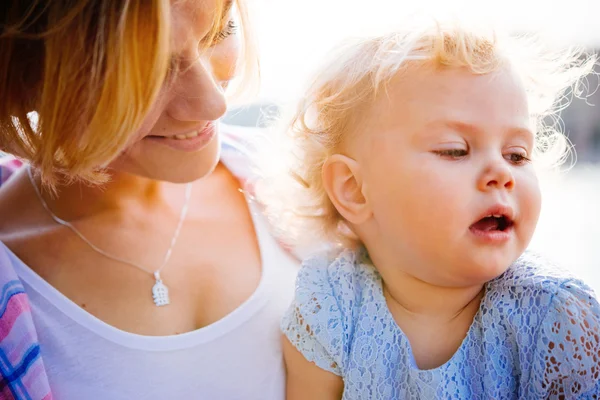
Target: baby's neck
x: 434, y: 319
x: 421, y: 300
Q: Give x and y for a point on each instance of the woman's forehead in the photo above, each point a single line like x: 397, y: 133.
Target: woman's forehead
x: 193, y: 19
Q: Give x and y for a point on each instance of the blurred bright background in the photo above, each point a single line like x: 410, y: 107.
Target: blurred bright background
x: 295, y: 35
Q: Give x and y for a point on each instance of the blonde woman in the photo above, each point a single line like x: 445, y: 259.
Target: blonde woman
x: 132, y: 262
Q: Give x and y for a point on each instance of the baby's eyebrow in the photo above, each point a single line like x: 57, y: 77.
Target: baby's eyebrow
x: 524, y: 133
x: 454, y: 125
x: 459, y: 126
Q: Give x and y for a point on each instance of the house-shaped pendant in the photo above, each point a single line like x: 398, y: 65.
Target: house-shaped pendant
x: 160, y: 293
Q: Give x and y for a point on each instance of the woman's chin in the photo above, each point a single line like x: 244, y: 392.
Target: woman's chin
x: 165, y: 164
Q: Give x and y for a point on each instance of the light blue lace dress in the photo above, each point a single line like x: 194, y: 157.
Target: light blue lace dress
x: 536, y: 335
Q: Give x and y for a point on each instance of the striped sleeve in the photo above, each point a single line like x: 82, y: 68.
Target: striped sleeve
x: 22, y: 372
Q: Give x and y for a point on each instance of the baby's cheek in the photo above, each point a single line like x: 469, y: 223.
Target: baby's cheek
x: 530, y: 200
x: 532, y: 193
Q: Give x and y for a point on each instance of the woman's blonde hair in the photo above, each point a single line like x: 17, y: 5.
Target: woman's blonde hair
x: 291, y: 185
x: 78, y: 77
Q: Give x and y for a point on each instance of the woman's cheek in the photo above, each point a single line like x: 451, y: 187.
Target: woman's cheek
x: 224, y: 59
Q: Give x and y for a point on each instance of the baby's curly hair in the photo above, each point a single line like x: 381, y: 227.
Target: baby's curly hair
x: 292, y: 189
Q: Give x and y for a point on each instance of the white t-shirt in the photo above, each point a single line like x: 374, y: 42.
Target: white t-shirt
x: 237, y: 357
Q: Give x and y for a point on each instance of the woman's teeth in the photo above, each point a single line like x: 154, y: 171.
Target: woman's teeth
x: 188, y: 136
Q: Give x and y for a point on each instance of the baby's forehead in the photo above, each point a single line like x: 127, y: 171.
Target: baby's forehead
x: 434, y: 82
x: 428, y: 90
x: 439, y: 98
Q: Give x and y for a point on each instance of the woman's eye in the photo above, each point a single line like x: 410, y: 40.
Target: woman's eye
x: 229, y: 29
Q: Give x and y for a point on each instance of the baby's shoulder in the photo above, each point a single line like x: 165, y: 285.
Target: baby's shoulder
x: 530, y: 276
x: 554, y: 318
x: 342, y: 275
x: 331, y: 289
x: 527, y: 293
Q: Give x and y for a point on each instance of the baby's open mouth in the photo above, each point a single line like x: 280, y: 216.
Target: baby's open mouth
x: 495, y: 222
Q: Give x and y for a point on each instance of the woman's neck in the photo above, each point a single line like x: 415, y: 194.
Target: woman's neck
x: 121, y: 193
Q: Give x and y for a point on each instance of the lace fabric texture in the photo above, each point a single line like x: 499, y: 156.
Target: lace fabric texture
x: 535, y: 336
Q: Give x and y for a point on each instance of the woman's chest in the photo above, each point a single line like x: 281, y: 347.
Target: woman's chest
x: 237, y: 359
x: 215, y: 266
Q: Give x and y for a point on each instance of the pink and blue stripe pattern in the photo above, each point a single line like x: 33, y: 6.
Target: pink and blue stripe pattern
x: 22, y: 372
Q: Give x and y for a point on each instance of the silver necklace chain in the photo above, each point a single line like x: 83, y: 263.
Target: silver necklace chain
x: 160, y: 293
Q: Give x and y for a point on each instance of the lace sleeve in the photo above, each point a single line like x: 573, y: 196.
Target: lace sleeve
x: 314, y: 323
x: 567, y: 355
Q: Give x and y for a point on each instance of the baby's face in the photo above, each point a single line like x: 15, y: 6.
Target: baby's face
x: 444, y: 157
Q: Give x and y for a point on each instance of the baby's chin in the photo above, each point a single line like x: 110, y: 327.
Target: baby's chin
x: 479, y: 270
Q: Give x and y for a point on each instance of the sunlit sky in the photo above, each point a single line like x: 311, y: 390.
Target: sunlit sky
x: 294, y: 35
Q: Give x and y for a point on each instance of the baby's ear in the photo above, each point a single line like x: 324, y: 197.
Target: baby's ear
x: 344, y: 185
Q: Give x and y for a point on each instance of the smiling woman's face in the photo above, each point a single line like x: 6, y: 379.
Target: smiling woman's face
x: 179, y: 139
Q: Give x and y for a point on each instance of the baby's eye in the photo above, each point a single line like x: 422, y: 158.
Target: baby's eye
x: 452, y: 153
x: 517, y: 158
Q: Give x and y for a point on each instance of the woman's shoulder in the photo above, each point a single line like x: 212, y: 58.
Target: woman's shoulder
x: 13, y: 301
x: 9, y: 280
x: 23, y: 370
x: 238, y: 147
x: 8, y: 166
x: 239, y: 152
